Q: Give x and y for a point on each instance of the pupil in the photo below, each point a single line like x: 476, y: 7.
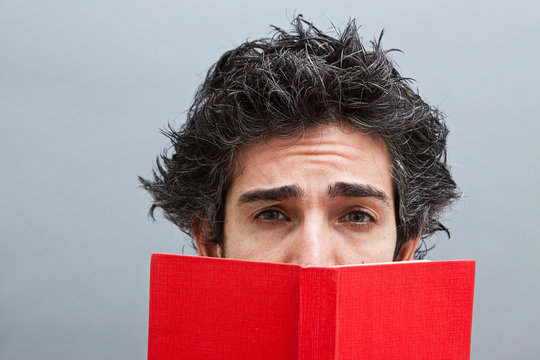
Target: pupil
x: 357, y: 217
x: 271, y: 215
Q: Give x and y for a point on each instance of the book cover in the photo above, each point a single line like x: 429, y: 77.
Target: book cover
x: 209, y: 308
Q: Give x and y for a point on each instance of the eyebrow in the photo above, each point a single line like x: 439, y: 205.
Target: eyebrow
x: 273, y: 194
x: 343, y: 189
x: 339, y: 189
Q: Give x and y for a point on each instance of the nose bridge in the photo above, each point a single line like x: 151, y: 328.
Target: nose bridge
x: 312, y: 245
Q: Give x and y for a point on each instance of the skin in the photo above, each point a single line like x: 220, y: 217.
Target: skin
x: 321, y: 199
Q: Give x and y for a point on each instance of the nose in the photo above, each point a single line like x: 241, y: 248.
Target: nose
x: 311, y: 244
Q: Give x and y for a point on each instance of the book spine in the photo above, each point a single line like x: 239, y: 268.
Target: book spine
x: 317, y: 325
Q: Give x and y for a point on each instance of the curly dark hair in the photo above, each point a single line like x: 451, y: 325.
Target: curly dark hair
x: 283, y: 85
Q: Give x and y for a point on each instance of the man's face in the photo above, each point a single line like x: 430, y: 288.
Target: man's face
x: 323, y: 198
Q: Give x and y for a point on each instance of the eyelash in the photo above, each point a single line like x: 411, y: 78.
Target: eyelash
x: 258, y: 216
x: 371, y: 218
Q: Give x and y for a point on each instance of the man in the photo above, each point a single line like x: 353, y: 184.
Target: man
x: 308, y: 149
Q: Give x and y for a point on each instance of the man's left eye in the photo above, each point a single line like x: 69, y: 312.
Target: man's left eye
x: 357, y: 217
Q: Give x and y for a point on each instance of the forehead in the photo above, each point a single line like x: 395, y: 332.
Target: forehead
x: 324, y: 153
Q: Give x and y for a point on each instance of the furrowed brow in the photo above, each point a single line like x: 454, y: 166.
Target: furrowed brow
x: 357, y: 190
x: 273, y: 194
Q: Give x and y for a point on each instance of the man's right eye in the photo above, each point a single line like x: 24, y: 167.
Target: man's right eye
x: 270, y: 215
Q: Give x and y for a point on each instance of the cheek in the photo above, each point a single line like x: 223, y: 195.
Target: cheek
x: 237, y: 237
x: 245, y: 242
x: 388, y: 245
x: 378, y: 246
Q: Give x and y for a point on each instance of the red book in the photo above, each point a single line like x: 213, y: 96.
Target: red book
x: 208, y: 308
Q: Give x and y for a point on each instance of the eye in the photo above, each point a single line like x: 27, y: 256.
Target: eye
x: 357, y: 217
x: 270, y: 215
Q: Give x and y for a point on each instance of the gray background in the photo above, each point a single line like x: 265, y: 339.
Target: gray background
x: 85, y: 86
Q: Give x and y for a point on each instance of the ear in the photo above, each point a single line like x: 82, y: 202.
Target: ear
x: 200, y: 228
x: 406, y: 252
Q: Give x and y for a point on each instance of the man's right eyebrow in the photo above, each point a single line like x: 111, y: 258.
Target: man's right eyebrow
x: 272, y: 194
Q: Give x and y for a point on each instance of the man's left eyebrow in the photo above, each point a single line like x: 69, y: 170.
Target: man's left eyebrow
x: 357, y: 190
